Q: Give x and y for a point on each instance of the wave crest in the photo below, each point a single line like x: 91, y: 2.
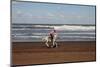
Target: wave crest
x: 67, y: 27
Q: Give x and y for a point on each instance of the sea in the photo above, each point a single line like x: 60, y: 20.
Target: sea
x: 66, y: 32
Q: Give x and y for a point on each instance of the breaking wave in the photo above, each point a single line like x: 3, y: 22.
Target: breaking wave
x: 69, y: 27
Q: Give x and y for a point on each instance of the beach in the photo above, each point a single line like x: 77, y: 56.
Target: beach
x: 27, y: 53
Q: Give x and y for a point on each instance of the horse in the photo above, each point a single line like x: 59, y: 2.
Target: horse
x: 48, y: 40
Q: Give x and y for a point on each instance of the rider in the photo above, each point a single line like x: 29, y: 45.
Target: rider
x: 52, y: 33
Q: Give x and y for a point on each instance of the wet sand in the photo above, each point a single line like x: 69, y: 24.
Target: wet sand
x: 25, y: 53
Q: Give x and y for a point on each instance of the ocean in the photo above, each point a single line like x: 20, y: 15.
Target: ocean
x: 66, y: 32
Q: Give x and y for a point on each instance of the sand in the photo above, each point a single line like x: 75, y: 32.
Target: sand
x: 27, y: 53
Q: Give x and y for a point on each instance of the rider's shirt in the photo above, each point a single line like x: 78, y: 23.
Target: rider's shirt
x: 52, y: 33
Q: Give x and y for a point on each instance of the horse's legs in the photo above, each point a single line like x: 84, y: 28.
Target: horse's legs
x: 54, y: 43
x: 47, y: 44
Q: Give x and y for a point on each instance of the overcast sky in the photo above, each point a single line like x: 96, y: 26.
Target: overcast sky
x: 42, y: 13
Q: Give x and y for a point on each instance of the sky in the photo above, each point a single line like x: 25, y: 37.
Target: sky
x: 47, y: 13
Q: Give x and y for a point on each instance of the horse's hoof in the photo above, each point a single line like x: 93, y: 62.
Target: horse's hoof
x: 48, y: 46
x: 51, y: 46
x: 54, y: 46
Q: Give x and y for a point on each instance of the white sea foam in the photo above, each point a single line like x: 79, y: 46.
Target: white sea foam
x: 69, y: 27
x: 44, y: 26
x: 74, y: 33
x: 65, y: 32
